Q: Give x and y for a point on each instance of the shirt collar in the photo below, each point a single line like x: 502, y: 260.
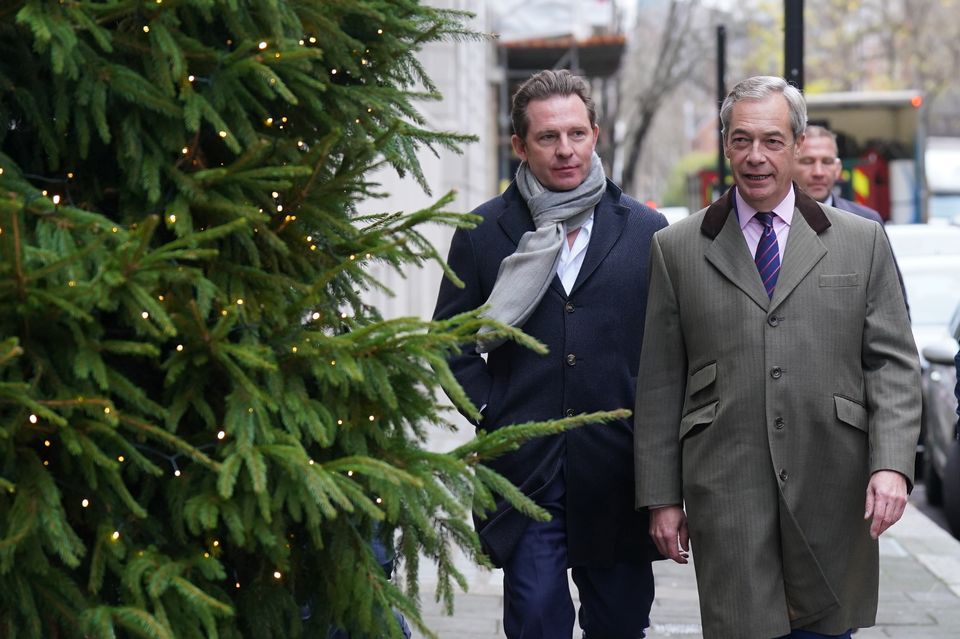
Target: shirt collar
x: 784, y: 210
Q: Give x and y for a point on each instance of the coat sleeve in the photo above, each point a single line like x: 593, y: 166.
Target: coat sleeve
x: 661, y: 385
x: 468, y: 366
x: 891, y: 368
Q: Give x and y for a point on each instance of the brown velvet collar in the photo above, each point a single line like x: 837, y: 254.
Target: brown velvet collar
x: 716, y: 215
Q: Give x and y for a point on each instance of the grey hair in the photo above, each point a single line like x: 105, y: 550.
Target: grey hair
x: 546, y: 84
x: 759, y: 87
x: 817, y: 131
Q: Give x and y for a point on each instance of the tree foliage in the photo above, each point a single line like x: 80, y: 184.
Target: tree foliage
x: 202, y: 425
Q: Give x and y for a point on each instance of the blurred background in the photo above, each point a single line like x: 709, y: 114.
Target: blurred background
x: 882, y: 74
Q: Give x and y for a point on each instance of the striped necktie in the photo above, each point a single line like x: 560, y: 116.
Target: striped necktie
x: 768, y: 253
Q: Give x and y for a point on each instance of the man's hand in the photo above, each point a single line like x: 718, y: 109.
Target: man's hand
x: 886, y: 500
x: 668, y: 529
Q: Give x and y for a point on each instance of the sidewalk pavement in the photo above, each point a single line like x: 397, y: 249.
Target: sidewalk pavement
x: 919, y: 590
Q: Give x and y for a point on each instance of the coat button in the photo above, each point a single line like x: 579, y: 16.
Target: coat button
x: 773, y: 320
x: 778, y: 423
x: 571, y: 360
x: 569, y: 307
x: 776, y: 372
x: 783, y: 475
x: 569, y: 412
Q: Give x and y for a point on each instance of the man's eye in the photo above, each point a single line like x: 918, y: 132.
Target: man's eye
x: 775, y: 144
x: 806, y: 161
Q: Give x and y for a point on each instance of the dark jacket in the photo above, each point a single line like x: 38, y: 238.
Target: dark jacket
x: 594, y: 338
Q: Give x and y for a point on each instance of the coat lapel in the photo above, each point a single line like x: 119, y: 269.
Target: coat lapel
x: 515, y: 219
x: 728, y: 252
x: 609, y: 219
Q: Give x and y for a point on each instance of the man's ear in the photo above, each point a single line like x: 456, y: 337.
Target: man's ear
x: 518, y: 147
x: 798, y: 144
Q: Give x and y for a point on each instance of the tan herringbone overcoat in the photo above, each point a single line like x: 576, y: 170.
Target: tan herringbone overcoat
x: 767, y: 417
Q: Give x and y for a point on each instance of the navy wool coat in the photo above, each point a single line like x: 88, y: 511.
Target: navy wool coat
x: 594, y: 337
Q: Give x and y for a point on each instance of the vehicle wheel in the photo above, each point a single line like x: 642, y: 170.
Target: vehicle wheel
x: 931, y: 481
x: 951, y: 489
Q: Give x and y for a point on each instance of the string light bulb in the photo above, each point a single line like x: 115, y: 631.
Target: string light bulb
x: 145, y: 315
x: 146, y: 28
x: 315, y: 316
x: 172, y: 218
x: 116, y: 535
x: 32, y: 419
x: 179, y: 348
x: 276, y: 574
x: 262, y: 45
x: 85, y: 503
x: 221, y: 435
x: 56, y: 199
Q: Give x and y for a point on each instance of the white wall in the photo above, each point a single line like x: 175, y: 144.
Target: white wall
x: 466, y: 74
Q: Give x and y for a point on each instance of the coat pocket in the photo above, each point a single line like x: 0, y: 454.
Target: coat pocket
x: 702, y: 416
x: 848, y: 279
x: 851, y: 412
x: 702, y: 378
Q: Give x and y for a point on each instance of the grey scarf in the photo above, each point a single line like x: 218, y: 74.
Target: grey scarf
x: 524, y: 276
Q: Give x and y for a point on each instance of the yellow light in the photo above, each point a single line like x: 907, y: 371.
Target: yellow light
x: 268, y: 121
x: 343, y: 316
x: 372, y: 418
x: 43, y: 193
x: 310, y: 462
x: 176, y: 473
x: 363, y: 60
x: 239, y: 301
x: 116, y: 535
x: 339, y: 422
x: 85, y: 503
x: 277, y: 54
x: 46, y: 443
x: 120, y: 459
x: 379, y: 501
x: 56, y: 199
x: 353, y: 257
x: 179, y: 348
x: 309, y: 238
x: 349, y: 473
x: 277, y: 575
x: 301, y: 43
x: 145, y: 315
x: 221, y: 435
x: 69, y: 174
x: 313, y: 247
x: 1, y: 170
x: 379, y: 31
x: 172, y: 218
x: 191, y: 78
x: 315, y: 316
x: 333, y: 71
x: 223, y: 312
x: 46, y: 463
x: 313, y: 40
x: 114, y: 229
x: 223, y: 134
x: 333, y: 362
x: 146, y: 29
x: 262, y: 46
x: 33, y: 419
x: 206, y: 555
x: 237, y: 585
x: 160, y: 297
x: 275, y: 195
x: 294, y: 349
x: 185, y: 150
x: 216, y: 543
x: 283, y: 119
x: 106, y: 410
x: 280, y: 208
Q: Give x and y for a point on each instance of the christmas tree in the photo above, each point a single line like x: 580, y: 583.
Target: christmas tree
x: 203, y: 427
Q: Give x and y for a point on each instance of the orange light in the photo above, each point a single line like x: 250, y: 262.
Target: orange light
x: 916, y: 101
x: 651, y: 203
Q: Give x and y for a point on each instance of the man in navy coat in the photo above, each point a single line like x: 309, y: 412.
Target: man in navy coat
x: 562, y: 254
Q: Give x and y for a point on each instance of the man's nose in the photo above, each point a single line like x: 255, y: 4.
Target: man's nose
x: 756, y: 154
x: 564, y: 148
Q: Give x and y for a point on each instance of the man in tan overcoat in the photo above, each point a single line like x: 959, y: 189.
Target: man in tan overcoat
x: 778, y: 402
